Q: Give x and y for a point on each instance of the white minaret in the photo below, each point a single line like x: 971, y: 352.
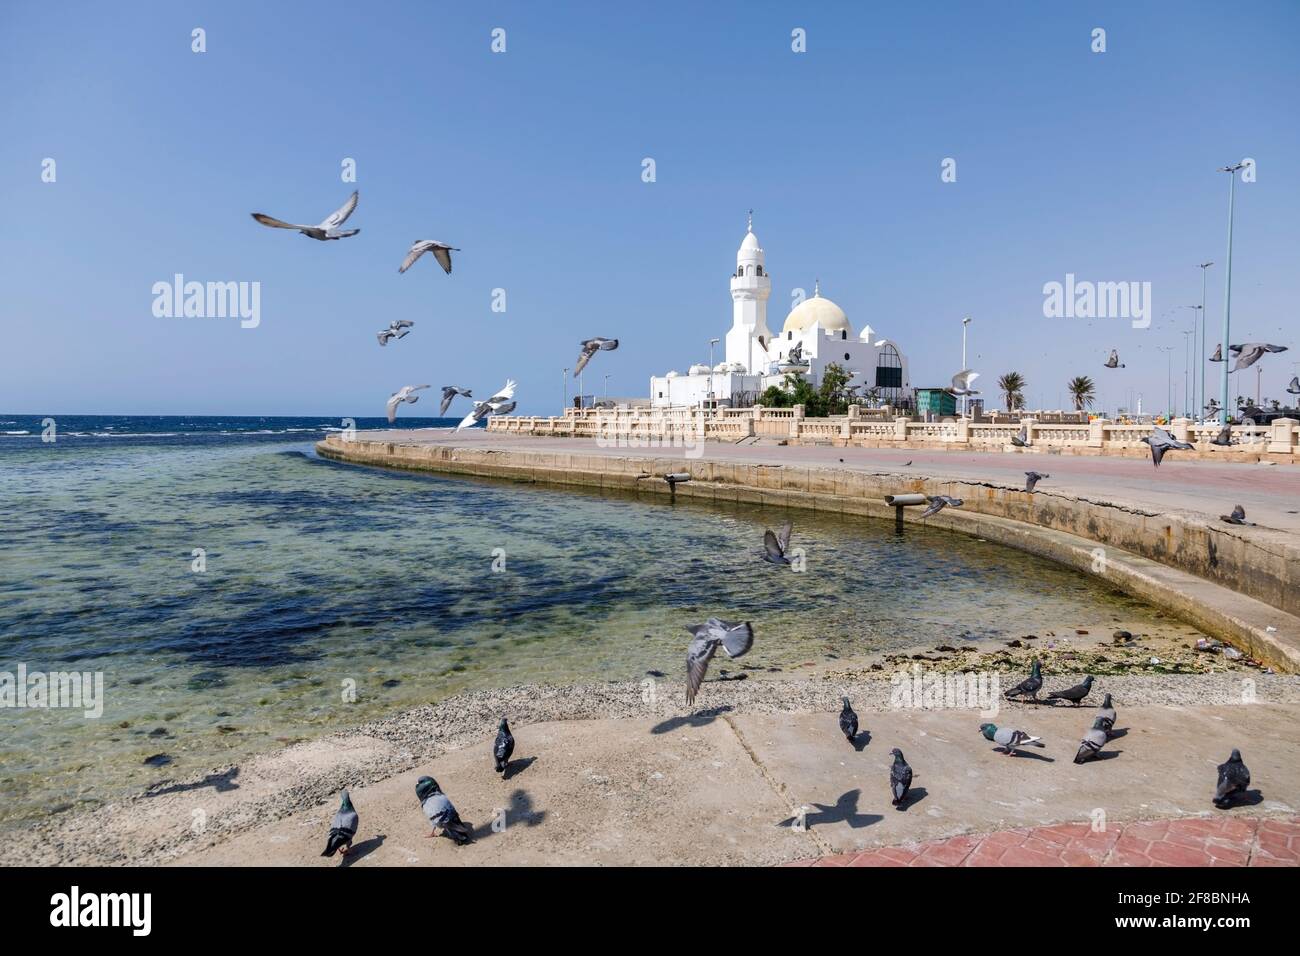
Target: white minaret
x: 750, y: 287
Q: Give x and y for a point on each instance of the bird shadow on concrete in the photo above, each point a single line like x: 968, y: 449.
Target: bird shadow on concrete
x: 700, y: 718
x: 518, y: 766
x: 1251, y: 798
x: 1119, y: 732
x: 1024, y: 753
x: 520, y: 811
x: 845, y: 810
x: 363, y: 849
x: 914, y: 795
x: 1103, y: 755
x: 861, y: 740
x: 220, y: 782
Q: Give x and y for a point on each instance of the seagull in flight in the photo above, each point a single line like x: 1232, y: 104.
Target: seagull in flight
x: 397, y: 329
x: 404, y: 394
x: 329, y: 229
x: 498, y: 404
x: 735, y: 638
x: 961, y: 382
x: 589, y: 348
x: 441, y: 251
x: 448, y: 393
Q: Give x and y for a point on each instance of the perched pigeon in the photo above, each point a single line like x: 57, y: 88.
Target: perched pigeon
x: 441, y: 812
x: 735, y: 638
x: 1251, y: 352
x: 1238, y: 516
x: 775, y: 545
x: 1031, y: 685
x: 1032, y: 478
x: 404, y: 394
x: 938, y: 503
x: 1294, y: 387
x: 441, y: 251
x: 1092, y: 742
x: 1224, y: 438
x: 343, y: 829
x: 848, y: 721
x: 1073, y: 694
x: 900, y: 778
x: 1113, y: 361
x: 1218, y: 354
x: 1106, y: 714
x: 504, y: 746
x: 1234, y: 778
x: 961, y: 382
x: 1161, y: 441
x: 329, y: 229
x: 498, y: 404
x: 589, y: 348
x: 448, y: 393
x: 1021, y: 440
x: 1010, y: 740
x: 398, y: 329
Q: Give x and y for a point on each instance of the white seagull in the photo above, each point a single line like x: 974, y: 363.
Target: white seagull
x: 329, y: 229
x: 441, y: 251
x: 405, y: 394
x: 961, y: 382
x: 498, y: 404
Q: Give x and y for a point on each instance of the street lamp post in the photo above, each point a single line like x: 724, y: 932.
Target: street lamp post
x: 964, y: 399
x: 607, y: 385
x: 1169, y: 379
x: 1200, y: 361
x: 1187, y: 365
x: 564, y: 378
x: 1197, y: 312
x: 712, y: 342
x: 1227, y: 293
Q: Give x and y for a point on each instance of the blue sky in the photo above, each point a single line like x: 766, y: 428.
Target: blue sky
x: 1068, y: 161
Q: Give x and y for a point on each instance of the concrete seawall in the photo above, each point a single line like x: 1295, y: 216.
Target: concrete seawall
x: 1239, y: 586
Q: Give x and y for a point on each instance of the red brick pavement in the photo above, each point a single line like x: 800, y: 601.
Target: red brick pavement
x: 1190, y: 841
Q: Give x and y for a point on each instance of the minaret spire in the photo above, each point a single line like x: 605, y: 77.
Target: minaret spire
x: 817, y: 287
x: 750, y: 225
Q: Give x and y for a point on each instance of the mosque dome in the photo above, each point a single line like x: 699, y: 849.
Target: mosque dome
x: 817, y: 311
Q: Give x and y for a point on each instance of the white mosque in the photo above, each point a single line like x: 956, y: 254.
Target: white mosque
x: 816, y: 333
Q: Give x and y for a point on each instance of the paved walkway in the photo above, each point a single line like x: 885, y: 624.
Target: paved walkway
x: 1192, y: 841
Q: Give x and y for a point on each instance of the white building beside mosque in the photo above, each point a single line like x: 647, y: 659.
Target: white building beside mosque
x: 815, y: 334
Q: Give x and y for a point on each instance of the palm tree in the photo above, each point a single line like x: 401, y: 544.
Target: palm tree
x: 1081, y: 389
x: 1012, y: 386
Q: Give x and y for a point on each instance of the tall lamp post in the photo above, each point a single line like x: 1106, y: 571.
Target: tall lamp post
x: 964, y: 399
x: 1169, y: 379
x: 712, y: 342
x: 1187, y: 365
x: 1227, y: 293
x: 1200, y: 360
x: 607, y: 385
x: 564, y: 379
x: 1193, y: 400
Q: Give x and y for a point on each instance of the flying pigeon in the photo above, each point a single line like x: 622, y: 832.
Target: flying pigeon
x: 1238, y: 516
x: 397, y: 329
x: 329, y: 229
x: 1021, y: 440
x: 1218, y: 354
x: 1032, y: 478
x: 1010, y: 740
x: 1073, y: 694
x: 441, y: 251
x: 1092, y: 742
x: 735, y: 638
x: 1234, y: 778
x: 504, y: 746
x: 775, y: 545
x: 1106, y: 714
x: 848, y: 721
x: 343, y: 829
x: 1251, y: 352
x: 900, y: 778
x: 1161, y: 441
x: 796, y: 355
x: 405, y: 394
x: 589, y: 348
x: 1113, y: 361
x: 441, y: 812
x: 1224, y: 438
x: 1031, y: 685
x: 1294, y: 387
x: 762, y: 343
x: 498, y: 404
x: 938, y: 503
x: 961, y: 382
x: 448, y: 393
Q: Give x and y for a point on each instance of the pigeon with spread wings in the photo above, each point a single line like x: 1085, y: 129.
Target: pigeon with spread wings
x: 328, y: 229
x: 734, y: 637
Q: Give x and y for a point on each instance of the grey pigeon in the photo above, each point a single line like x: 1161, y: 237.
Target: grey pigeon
x: 938, y: 503
x: 848, y: 721
x: 1010, y: 740
x: 504, y: 746
x: 499, y: 404
x: 900, y: 778
x: 1218, y: 353
x: 734, y: 637
x: 589, y: 348
x: 441, y: 812
x: 1032, y: 478
x: 441, y: 251
x: 1092, y: 742
x: 448, y: 393
x: 343, y: 829
x: 1021, y: 440
x: 329, y: 229
x: 397, y: 329
x: 1113, y: 361
x: 1106, y: 714
x: 1294, y: 387
x: 1238, y: 516
x: 961, y: 382
x: 775, y: 545
x: 1030, y: 686
x: 1234, y: 778
x: 1251, y: 352
x: 1224, y: 438
x: 1073, y: 694
x: 1161, y: 441
x: 404, y: 394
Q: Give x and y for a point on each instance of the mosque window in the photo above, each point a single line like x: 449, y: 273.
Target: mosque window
x: 760, y: 270
x: 789, y: 335
x: 844, y: 335
x: 847, y: 357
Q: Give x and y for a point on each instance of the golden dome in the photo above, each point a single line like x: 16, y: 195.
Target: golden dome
x: 817, y: 311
